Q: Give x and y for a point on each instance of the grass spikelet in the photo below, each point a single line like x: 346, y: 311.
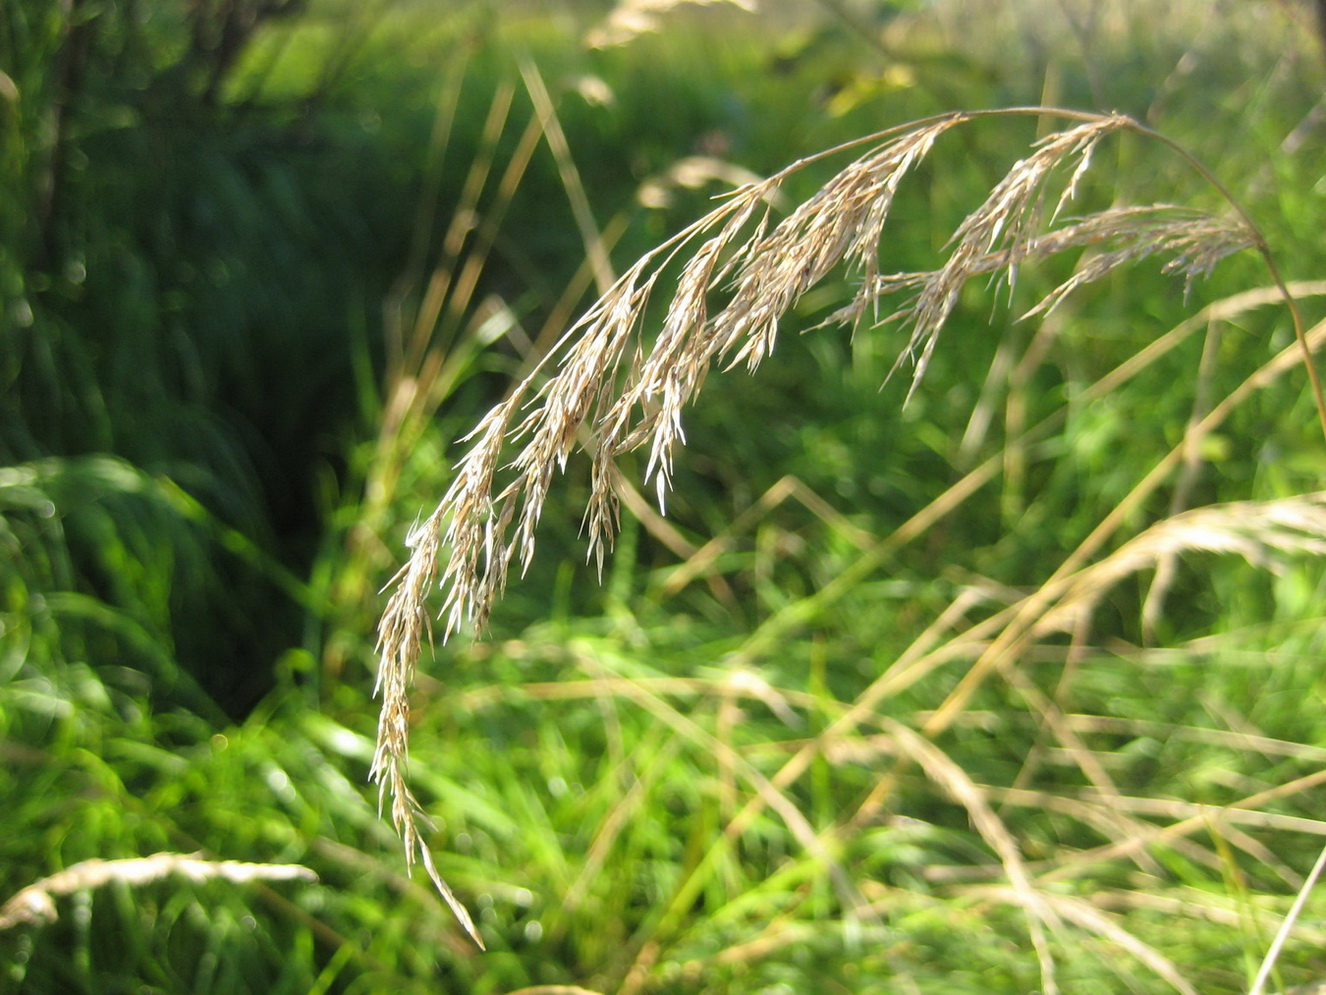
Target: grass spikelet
x: 1196, y: 242
x: 1117, y: 237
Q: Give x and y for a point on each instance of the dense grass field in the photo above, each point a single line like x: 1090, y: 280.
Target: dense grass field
x: 975, y: 650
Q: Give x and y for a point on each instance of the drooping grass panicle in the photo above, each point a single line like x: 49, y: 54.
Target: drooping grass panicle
x: 626, y: 396
x: 613, y: 389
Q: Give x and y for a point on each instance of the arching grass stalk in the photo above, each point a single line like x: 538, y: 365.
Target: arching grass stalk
x: 738, y: 272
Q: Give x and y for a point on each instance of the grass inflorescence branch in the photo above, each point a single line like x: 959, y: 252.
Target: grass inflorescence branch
x: 608, y: 388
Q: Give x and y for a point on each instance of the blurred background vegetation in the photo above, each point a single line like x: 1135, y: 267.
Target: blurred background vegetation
x: 263, y: 263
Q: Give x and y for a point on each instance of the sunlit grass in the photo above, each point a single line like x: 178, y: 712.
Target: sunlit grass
x: 754, y: 758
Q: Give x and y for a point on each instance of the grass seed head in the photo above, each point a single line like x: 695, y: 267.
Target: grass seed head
x: 614, y: 391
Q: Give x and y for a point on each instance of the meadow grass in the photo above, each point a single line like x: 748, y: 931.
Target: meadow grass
x: 1004, y: 686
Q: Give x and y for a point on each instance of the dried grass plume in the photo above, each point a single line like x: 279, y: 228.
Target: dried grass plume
x: 731, y: 277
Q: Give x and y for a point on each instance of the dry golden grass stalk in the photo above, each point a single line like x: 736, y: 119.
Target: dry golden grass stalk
x: 1262, y: 532
x: 739, y: 271
x: 36, y: 902
x: 1282, y: 934
x: 953, y: 779
x: 1090, y: 919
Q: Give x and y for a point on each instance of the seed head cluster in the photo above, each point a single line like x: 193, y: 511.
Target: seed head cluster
x: 609, y: 388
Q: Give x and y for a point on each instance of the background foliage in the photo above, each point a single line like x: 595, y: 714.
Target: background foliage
x: 263, y: 263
